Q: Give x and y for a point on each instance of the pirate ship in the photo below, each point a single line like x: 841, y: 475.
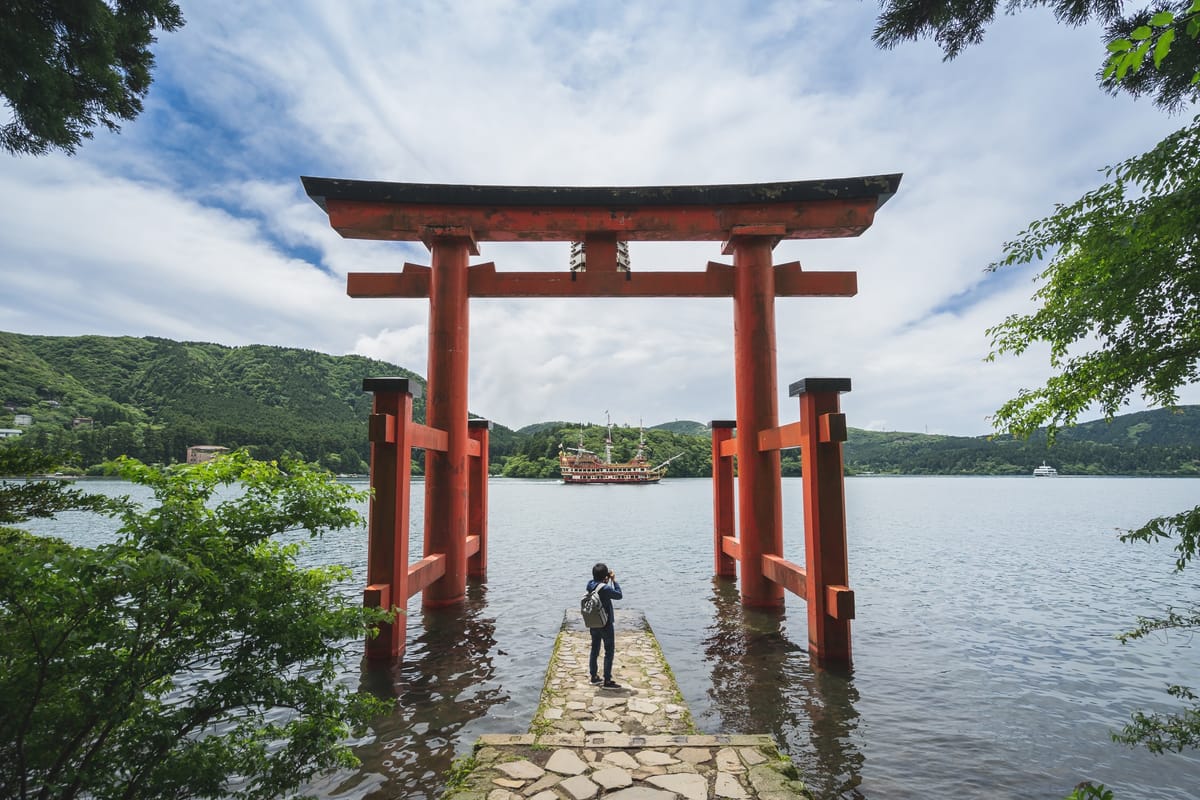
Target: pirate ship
x: 580, y: 465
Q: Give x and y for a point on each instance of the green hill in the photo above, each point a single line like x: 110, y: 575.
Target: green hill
x: 1160, y: 442
x: 99, y: 397
x: 152, y: 398
x: 684, y: 426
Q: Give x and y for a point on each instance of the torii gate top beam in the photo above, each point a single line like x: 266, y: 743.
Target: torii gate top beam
x: 416, y: 211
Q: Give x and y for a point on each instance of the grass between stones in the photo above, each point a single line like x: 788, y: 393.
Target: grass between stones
x: 540, y: 726
x: 460, y: 772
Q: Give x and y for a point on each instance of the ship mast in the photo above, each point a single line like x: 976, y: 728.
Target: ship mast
x: 608, y: 440
x: 641, y: 451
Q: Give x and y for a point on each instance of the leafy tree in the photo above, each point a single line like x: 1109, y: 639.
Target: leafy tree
x: 1165, y: 732
x: 192, y: 657
x: 39, y: 499
x: 67, y: 66
x: 1124, y: 278
x: 1171, y: 39
x: 1119, y: 292
x: 1155, y: 30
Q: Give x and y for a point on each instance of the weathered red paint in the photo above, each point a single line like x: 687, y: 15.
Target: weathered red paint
x: 716, y: 281
x: 601, y: 249
x: 447, y: 484
x: 821, y: 219
x: 760, y: 504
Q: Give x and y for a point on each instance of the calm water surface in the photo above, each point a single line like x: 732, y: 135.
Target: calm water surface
x: 985, y: 663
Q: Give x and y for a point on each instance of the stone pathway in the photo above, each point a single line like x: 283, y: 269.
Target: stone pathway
x: 638, y: 742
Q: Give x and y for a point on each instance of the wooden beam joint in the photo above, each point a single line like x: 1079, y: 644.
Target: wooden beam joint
x: 731, y: 547
x: 790, y: 576
x: 729, y: 448
x: 839, y: 602
x: 425, y: 572
x: 780, y: 438
x: 832, y: 428
x: 429, y: 438
x: 378, y: 595
x: 381, y: 428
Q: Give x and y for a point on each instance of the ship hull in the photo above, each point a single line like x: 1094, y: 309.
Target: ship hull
x: 588, y: 478
x: 593, y: 470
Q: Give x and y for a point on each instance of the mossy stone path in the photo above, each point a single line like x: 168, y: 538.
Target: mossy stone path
x: 634, y: 743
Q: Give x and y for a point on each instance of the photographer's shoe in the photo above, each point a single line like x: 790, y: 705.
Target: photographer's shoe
x: 611, y: 684
x: 596, y: 679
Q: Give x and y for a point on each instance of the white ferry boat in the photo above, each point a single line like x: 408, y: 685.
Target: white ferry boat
x: 1045, y: 471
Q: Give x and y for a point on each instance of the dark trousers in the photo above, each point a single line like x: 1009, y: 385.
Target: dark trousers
x: 606, y: 636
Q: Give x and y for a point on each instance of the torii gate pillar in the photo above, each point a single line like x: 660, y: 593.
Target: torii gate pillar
x: 759, y: 487
x: 447, y: 480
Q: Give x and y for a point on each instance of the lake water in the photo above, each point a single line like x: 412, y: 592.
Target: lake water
x: 984, y: 657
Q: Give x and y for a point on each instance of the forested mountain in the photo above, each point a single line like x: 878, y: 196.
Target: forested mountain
x: 99, y: 397
x: 684, y: 426
x: 1161, y: 442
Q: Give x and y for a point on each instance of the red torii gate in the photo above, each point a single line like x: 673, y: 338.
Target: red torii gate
x: 751, y: 219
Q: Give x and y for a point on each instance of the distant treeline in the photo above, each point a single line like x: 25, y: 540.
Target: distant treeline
x: 93, y: 398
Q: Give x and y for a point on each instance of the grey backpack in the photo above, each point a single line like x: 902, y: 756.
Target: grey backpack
x: 594, y: 615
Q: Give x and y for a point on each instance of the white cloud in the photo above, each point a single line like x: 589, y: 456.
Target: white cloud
x: 193, y: 225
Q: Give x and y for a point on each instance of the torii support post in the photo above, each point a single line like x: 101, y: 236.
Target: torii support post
x: 387, y: 528
x: 477, y: 515
x: 447, y: 482
x: 724, y: 532
x: 830, y: 600
x: 760, y: 490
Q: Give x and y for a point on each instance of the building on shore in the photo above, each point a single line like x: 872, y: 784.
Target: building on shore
x: 198, y: 454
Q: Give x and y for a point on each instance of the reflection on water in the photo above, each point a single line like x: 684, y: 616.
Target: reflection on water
x: 985, y: 664
x: 445, y: 681
x: 762, y: 682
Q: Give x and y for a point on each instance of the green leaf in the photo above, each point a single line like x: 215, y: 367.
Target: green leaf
x: 1140, y: 55
x: 1193, y: 27
x: 1162, y: 19
x: 1119, y: 46
x: 1141, y: 32
x: 1163, y: 47
x: 1127, y: 61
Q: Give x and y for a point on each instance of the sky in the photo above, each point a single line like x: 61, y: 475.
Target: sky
x: 192, y: 224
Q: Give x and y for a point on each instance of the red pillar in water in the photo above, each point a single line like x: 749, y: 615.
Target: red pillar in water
x: 724, y: 566
x: 387, y: 526
x: 447, y: 482
x: 760, y: 490
x: 830, y: 601
x: 477, y: 515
